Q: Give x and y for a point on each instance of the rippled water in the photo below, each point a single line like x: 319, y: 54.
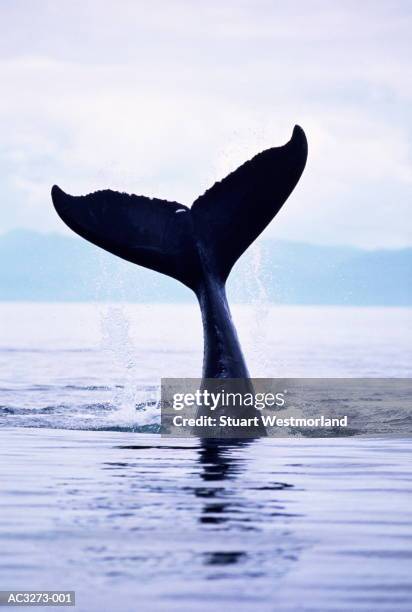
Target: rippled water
x: 135, y: 522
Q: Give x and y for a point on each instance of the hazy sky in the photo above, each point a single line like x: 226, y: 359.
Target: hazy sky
x: 164, y: 98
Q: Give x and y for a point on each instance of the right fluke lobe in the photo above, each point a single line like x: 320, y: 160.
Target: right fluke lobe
x: 232, y: 213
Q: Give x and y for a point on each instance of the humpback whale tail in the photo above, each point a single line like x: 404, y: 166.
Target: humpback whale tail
x: 188, y: 243
x: 198, y: 246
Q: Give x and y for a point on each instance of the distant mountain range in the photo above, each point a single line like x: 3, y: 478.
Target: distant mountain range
x: 54, y: 267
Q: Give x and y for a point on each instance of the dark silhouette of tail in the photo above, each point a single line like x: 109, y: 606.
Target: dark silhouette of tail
x: 190, y: 244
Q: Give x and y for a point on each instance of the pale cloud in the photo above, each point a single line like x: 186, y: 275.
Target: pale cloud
x: 163, y: 98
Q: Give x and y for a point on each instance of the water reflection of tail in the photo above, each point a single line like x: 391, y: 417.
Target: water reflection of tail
x: 234, y: 507
x: 217, y: 460
x: 220, y: 464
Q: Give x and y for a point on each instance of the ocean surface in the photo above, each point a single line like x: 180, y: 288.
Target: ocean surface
x: 92, y: 499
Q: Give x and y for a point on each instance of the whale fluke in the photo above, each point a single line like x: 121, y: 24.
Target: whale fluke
x: 180, y: 242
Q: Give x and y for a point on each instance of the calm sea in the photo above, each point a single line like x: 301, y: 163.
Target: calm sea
x: 93, y: 500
